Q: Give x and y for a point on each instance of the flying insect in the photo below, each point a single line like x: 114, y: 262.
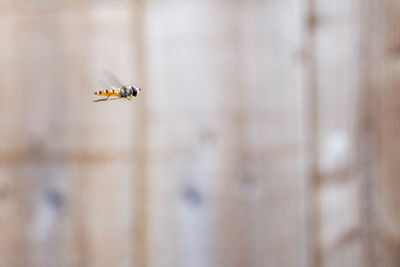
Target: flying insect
x: 122, y: 91
x: 127, y: 92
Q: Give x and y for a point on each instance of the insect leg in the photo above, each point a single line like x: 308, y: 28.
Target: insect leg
x: 97, y: 100
x: 105, y: 99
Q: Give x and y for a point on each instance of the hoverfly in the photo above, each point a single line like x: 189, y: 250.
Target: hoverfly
x: 127, y: 92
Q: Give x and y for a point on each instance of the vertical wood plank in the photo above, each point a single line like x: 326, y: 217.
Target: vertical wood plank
x: 220, y: 154
x: 382, y: 79
x: 104, y: 136
x: 71, y: 160
x: 334, y: 85
x: 183, y: 152
x: 262, y: 136
x: 11, y: 223
x: 39, y: 202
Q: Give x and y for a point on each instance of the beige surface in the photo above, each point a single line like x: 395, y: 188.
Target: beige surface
x: 266, y: 134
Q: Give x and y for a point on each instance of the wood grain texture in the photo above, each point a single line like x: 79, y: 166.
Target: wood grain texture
x: 334, y: 80
x: 219, y: 166
x: 382, y: 80
x: 73, y: 159
x: 266, y: 134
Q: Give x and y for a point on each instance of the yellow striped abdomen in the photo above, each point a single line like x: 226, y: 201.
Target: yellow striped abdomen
x: 107, y: 92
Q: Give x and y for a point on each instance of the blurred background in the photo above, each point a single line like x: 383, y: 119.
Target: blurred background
x: 266, y: 134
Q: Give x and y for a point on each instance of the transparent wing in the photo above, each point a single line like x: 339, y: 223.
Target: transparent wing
x: 114, y: 80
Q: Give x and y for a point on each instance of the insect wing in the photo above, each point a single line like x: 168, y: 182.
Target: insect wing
x: 114, y: 80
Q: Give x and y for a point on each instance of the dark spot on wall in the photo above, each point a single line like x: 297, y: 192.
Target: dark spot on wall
x: 192, y: 196
x: 312, y: 22
x: 54, y: 198
x: 248, y: 181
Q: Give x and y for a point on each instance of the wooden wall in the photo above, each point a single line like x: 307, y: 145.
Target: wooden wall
x: 266, y: 134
